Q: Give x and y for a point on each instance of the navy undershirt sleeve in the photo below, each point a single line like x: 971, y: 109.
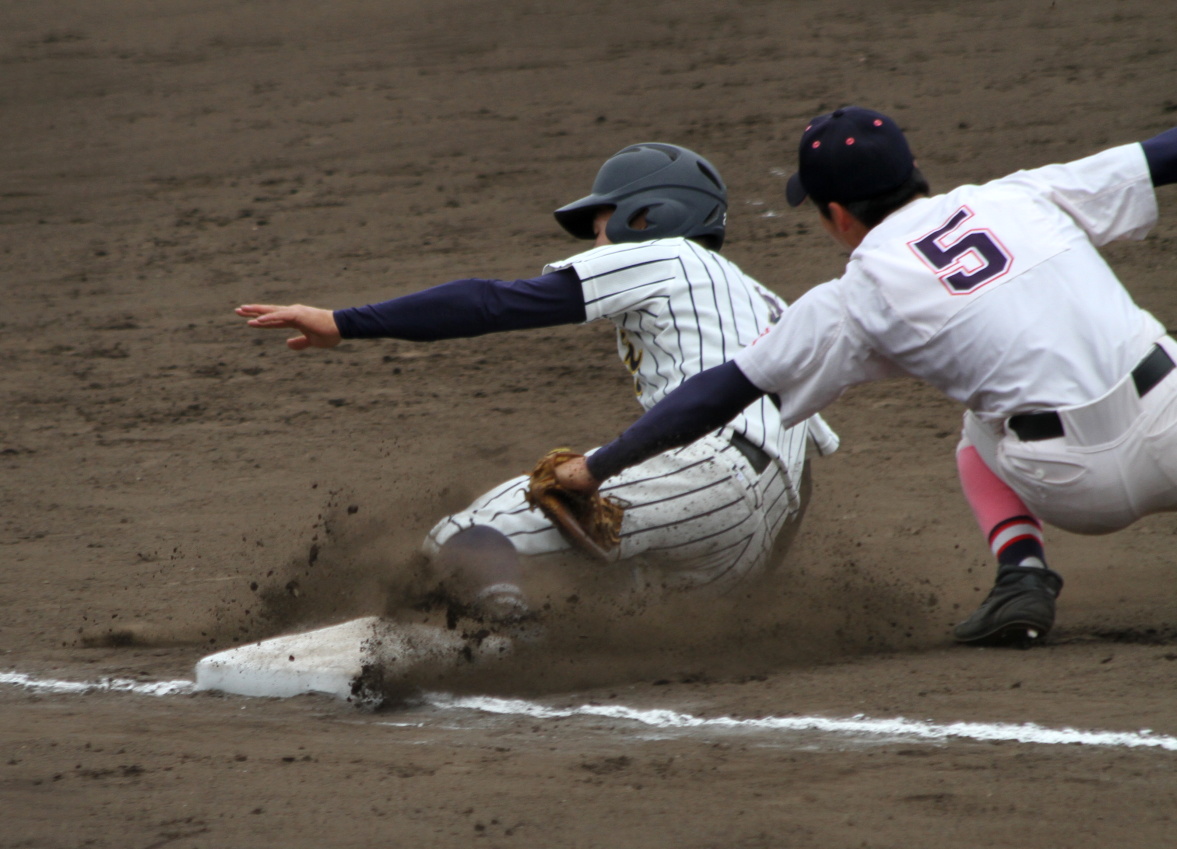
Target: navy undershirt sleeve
x: 470, y: 307
x: 1161, y: 153
x: 702, y: 404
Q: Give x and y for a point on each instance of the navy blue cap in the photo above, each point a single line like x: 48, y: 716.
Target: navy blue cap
x: 850, y: 154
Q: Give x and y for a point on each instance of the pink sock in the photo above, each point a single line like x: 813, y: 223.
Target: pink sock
x: 1008, y: 524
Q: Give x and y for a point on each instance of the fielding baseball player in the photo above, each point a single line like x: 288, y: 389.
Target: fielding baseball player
x: 705, y: 514
x: 996, y: 295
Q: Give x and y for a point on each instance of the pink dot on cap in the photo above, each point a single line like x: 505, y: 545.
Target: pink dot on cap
x: 850, y: 140
x: 816, y: 145
x: 878, y: 122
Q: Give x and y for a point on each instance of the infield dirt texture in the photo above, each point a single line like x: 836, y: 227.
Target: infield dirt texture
x: 173, y: 482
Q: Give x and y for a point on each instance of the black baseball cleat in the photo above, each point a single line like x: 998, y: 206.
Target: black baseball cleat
x: 1019, y: 610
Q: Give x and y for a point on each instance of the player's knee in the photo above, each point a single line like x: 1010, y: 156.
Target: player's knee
x: 481, y: 538
x: 474, y: 557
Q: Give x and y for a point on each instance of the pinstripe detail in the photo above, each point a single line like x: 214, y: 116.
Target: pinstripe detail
x: 625, y: 268
x: 682, y: 366
x: 516, y: 512
x: 682, y: 470
x: 682, y: 521
x: 714, y: 568
x: 680, y: 309
x: 663, y: 549
x: 502, y: 488
x: 551, y: 529
x: 678, y: 496
x: 731, y: 311
x: 652, y: 351
x: 681, y: 360
x: 627, y: 249
x: 719, y: 540
x: 712, y: 340
x: 735, y: 561
x: 636, y: 288
x: 786, y: 493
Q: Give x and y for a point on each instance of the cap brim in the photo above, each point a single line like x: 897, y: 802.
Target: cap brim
x: 795, y: 191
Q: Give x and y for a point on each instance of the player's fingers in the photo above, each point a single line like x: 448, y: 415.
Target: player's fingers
x: 271, y: 322
x: 298, y: 343
x: 247, y: 310
x: 280, y: 317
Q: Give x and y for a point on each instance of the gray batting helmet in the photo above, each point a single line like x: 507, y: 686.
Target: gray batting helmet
x: 681, y: 193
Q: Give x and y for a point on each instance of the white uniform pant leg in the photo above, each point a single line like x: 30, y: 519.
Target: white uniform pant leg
x: 698, y: 515
x: 1088, y: 483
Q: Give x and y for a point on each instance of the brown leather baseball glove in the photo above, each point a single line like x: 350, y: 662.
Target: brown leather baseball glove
x: 589, y: 521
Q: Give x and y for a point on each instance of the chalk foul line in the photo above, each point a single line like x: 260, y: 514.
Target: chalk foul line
x: 855, y: 726
x: 107, y: 685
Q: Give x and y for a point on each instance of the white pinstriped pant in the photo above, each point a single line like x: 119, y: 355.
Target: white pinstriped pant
x: 699, y: 515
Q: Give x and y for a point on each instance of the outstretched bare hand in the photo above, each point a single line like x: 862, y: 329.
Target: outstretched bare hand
x: 316, y: 326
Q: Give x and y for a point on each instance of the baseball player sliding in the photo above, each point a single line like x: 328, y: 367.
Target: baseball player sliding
x: 703, y: 515
x: 996, y: 295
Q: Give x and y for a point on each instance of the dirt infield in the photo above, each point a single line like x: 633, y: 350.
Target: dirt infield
x: 174, y: 483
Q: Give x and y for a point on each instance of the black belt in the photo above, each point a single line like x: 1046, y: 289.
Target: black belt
x: 756, y: 456
x: 1031, y: 427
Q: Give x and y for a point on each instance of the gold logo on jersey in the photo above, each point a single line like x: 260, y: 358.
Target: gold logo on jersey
x: 632, y: 357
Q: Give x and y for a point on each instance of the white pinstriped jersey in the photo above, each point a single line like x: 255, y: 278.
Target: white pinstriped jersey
x: 679, y: 309
x: 994, y: 294
x: 703, y: 514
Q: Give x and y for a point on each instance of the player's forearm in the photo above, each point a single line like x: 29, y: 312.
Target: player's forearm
x: 472, y: 307
x: 1161, y: 153
x: 702, y: 404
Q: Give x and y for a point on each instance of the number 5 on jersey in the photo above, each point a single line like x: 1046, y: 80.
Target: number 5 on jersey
x: 963, y: 261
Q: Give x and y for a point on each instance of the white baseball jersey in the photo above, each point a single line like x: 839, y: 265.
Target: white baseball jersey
x: 679, y: 309
x: 994, y: 294
x: 701, y: 514
x: 997, y: 296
